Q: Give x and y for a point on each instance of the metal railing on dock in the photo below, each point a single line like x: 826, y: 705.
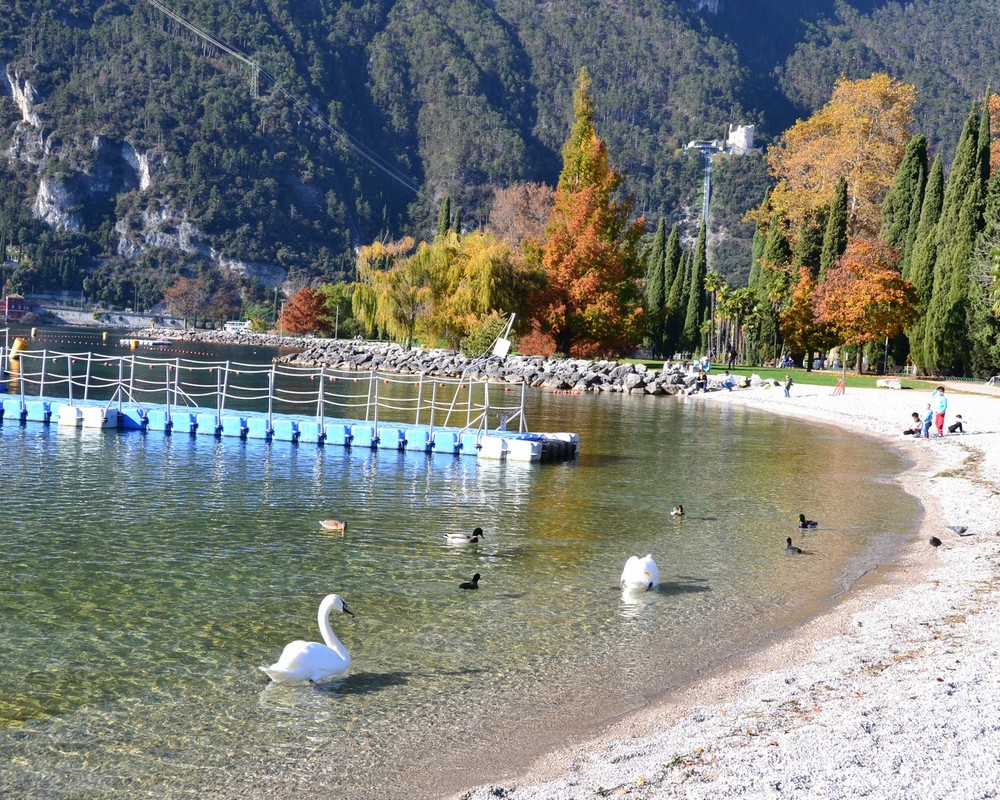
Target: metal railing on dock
x: 275, y: 400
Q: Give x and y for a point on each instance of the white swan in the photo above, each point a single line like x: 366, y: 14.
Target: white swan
x: 312, y: 661
x: 465, y: 538
x: 640, y: 573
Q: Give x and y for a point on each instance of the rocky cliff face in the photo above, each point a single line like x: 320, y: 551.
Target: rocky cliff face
x: 112, y: 167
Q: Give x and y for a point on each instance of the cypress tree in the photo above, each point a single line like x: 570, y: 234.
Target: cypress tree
x: 945, y: 336
x: 757, y: 248
x: 772, y: 285
x: 920, y: 270
x: 906, y: 188
x: 444, y: 216
x: 676, y: 266
x: 835, y: 236
x: 456, y: 225
x: 656, y: 289
x: 809, y: 248
x: 984, y: 327
x: 696, y: 293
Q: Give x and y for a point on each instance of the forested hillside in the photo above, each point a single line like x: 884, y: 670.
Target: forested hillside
x: 131, y: 142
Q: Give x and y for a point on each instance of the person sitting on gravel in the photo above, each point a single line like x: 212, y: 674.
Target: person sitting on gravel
x: 958, y: 425
x: 915, y: 428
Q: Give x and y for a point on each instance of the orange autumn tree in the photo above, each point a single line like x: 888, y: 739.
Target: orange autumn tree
x: 861, y: 134
x: 864, y: 298
x: 187, y: 298
x: 305, y: 312
x: 799, y: 327
x: 589, y: 305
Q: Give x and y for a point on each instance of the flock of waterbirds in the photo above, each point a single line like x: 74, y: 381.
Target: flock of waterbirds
x: 314, y: 662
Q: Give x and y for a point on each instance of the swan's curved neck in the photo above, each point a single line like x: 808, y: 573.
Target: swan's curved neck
x: 329, y: 637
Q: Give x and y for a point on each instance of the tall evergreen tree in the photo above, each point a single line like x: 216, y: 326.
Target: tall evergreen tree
x: 757, y: 247
x: 696, y: 294
x: 444, y: 216
x: 945, y: 334
x: 984, y: 327
x: 773, y: 286
x: 677, y: 263
x: 906, y: 190
x: 835, y: 236
x: 656, y: 289
x: 809, y: 247
x: 920, y: 270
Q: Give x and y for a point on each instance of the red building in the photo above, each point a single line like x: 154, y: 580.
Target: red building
x: 15, y: 306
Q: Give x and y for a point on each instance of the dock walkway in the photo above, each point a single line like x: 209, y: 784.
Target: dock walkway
x: 272, y: 402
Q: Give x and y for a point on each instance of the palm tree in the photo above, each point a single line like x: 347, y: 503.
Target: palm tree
x: 713, y: 283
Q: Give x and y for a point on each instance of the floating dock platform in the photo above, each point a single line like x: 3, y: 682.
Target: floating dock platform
x: 371, y: 410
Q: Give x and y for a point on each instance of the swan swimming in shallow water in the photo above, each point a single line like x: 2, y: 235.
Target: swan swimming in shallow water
x: 312, y: 661
x: 465, y: 538
x: 640, y: 573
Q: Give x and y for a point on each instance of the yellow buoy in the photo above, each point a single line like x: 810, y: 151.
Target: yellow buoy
x: 33, y: 332
x: 104, y: 337
x: 18, y: 345
x: 134, y: 344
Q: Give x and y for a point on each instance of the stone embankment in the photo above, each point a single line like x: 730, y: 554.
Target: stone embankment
x: 558, y: 374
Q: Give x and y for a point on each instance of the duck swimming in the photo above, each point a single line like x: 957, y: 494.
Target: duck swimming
x: 312, y: 661
x: 473, y: 584
x: 791, y: 548
x: 640, y: 573
x: 465, y: 538
x: 678, y: 511
x: 806, y: 523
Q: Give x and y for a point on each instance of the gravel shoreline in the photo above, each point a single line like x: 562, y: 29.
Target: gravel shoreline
x: 893, y: 693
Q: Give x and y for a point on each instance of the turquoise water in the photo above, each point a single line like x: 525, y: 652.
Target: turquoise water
x: 145, y: 578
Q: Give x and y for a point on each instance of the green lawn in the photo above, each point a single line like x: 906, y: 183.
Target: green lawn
x: 801, y: 376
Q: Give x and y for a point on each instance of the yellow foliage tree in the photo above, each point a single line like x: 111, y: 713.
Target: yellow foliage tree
x: 438, y: 290
x: 860, y: 134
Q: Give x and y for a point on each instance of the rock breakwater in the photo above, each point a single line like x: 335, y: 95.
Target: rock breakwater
x: 558, y: 374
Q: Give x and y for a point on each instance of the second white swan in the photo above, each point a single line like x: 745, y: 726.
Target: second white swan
x: 312, y: 661
x: 640, y: 573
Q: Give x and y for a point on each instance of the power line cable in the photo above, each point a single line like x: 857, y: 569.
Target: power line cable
x: 371, y: 157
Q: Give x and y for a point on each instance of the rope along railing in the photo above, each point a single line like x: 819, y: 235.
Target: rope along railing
x: 225, y: 386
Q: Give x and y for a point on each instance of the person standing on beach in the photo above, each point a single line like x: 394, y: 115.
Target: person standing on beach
x: 927, y: 420
x: 940, y: 404
x: 788, y: 386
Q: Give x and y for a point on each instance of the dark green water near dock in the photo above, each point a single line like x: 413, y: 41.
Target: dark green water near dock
x: 145, y: 578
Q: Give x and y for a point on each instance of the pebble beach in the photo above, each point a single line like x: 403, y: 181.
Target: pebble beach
x: 891, y: 693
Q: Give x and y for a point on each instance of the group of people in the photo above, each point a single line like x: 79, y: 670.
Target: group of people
x: 933, y: 415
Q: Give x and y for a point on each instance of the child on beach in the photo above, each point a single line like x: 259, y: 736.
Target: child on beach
x: 940, y: 403
x: 788, y: 386
x: 958, y: 425
x: 915, y: 427
x: 927, y: 420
